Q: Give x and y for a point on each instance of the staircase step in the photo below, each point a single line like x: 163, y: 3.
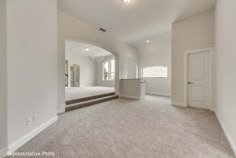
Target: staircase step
x: 90, y: 102
x: 88, y: 98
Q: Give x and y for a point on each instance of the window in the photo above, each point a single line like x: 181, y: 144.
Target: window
x: 109, y: 70
x: 157, y: 71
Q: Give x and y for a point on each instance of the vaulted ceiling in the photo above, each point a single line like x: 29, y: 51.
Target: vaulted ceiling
x: 85, y: 49
x: 135, y: 21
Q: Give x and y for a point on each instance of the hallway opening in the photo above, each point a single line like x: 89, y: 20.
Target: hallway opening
x: 90, y: 73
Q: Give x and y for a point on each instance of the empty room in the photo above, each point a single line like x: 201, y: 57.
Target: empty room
x: 117, y: 78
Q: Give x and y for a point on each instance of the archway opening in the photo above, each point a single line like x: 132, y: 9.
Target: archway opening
x: 90, y: 74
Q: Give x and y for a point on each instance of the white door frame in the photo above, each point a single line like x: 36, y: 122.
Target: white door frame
x: 186, y: 54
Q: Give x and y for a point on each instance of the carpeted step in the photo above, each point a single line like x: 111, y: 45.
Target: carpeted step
x: 90, y: 102
x: 88, y: 98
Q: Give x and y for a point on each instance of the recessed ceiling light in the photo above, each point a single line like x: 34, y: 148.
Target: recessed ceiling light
x: 126, y: 1
x: 148, y: 41
x: 87, y: 49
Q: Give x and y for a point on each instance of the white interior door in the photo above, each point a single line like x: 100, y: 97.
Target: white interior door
x: 199, y: 80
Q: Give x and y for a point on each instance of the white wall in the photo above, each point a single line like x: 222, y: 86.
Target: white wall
x: 99, y: 63
x: 157, y: 53
x: 195, y: 32
x: 70, y: 27
x: 3, y: 90
x: 87, y: 68
x: 31, y: 64
x: 225, y: 67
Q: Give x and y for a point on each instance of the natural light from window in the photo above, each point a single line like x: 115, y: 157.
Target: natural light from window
x: 109, y: 70
x: 157, y: 71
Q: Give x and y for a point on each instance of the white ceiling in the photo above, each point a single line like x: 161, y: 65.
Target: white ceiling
x: 138, y: 20
x: 79, y: 47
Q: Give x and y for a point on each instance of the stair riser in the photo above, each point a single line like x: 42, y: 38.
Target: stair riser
x: 88, y: 98
x: 82, y: 105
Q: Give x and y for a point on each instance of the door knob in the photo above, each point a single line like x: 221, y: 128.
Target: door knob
x: 189, y: 82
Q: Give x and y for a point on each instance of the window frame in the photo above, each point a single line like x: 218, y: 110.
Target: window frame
x: 109, y: 73
x: 159, y: 76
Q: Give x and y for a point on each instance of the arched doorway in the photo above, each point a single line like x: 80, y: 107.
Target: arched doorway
x: 93, y: 73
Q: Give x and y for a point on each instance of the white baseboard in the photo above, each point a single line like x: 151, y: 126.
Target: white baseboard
x: 3, y: 152
x: 159, y: 94
x: 129, y: 97
x: 17, y: 144
x: 178, y: 104
x: 229, y: 138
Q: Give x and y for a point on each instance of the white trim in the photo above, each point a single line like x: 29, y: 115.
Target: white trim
x: 159, y: 94
x: 226, y: 132
x: 180, y: 104
x: 129, y: 97
x: 210, y: 50
x: 3, y: 152
x: 17, y: 144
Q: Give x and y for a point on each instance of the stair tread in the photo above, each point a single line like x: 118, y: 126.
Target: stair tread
x: 87, y: 101
x: 69, y: 102
x: 92, y: 101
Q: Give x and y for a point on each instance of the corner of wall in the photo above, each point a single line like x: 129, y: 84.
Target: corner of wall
x: 61, y: 109
x: 226, y: 132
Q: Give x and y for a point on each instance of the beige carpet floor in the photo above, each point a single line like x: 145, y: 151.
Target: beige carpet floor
x: 122, y: 128
x: 83, y: 92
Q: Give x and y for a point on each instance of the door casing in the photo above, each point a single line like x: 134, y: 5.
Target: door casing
x: 186, y: 54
